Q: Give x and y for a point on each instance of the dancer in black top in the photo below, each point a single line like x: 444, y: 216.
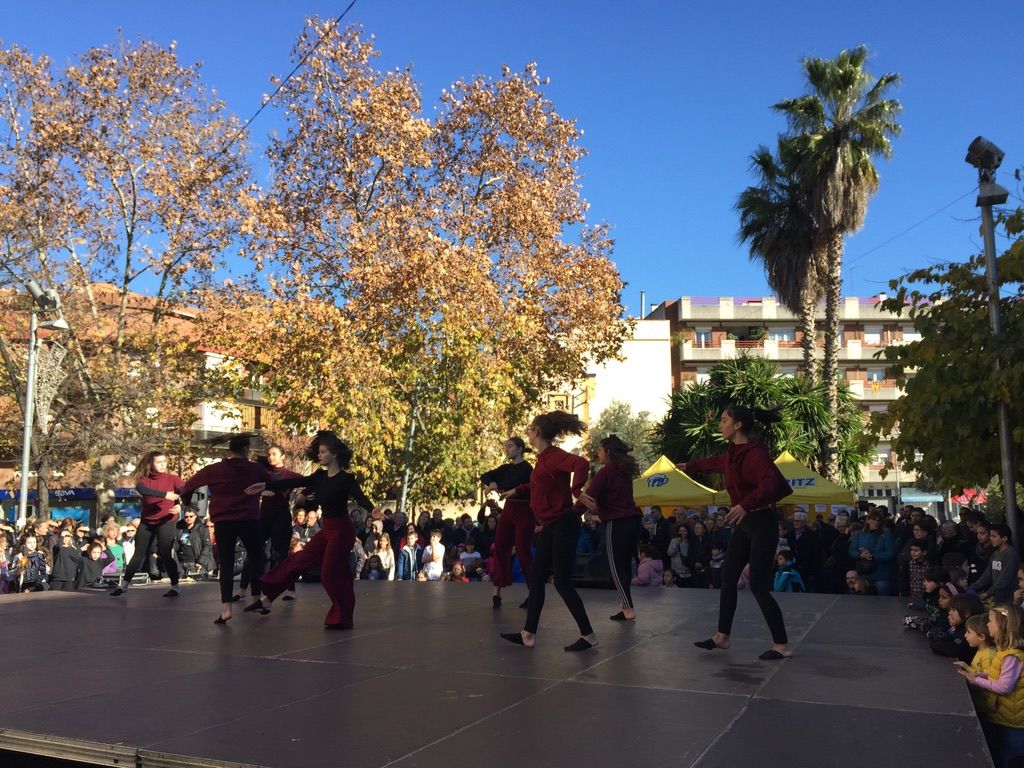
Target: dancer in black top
x: 516, y: 522
x: 755, y: 485
x: 330, y: 548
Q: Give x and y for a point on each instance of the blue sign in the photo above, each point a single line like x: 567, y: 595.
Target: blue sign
x: 801, y: 482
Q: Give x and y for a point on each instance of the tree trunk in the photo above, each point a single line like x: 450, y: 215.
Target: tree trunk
x: 830, y: 364
x: 43, y: 472
x: 808, y: 307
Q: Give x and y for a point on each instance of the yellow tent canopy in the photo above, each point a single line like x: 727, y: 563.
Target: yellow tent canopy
x: 808, y: 487
x: 665, y: 485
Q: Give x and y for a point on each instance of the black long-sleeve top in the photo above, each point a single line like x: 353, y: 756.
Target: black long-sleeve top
x: 331, y: 493
x: 508, y: 476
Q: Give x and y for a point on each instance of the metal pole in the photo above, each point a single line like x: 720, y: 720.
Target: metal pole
x: 1005, y: 444
x: 408, y: 450
x: 29, y: 411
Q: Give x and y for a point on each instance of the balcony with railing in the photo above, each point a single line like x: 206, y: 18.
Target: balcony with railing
x: 768, y: 308
x: 770, y: 349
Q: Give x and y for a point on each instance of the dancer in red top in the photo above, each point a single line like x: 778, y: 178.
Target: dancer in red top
x: 557, y: 478
x: 332, y: 486
x: 755, y: 485
x: 160, y: 491
x: 610, y: 495
x: 516, y: 522
x: 235, y: 515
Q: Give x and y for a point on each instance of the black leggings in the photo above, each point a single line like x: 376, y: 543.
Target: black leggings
x: 554, y: 549
x: 249, y: 532
x: 621, y: 539
x: 755, y: 541
x: 163, y: 535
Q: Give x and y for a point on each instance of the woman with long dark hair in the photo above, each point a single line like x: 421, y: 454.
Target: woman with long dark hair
x: 516, y: 521
x: 755, y: 486
x: 332, y: 486
x: 610, y: 495
x: 556, y: 479
x: 160, y: 491
x: 235, y: 515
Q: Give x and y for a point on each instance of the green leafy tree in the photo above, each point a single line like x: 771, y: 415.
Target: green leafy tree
x: 635, y: 429
x: 690, y: 429
x: 838, y: 127
x: 945, y: 426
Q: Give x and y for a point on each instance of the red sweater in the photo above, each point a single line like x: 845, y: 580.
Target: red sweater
x: 156, y: 507
x: 227, y: 480
x: 751, y: 477
x: 551, y: 493
x: 612, y: 489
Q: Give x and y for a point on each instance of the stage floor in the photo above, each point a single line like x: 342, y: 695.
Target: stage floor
x: 424, y: 681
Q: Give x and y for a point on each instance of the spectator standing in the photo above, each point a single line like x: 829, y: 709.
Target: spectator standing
x: 194, y: 548
x: 409, y: 560
x: 387, y: 556
x: 679, y: 556
x: 432, y: 557
x: 805, y: 544
x: 874, y: 551
x: 67, y: 559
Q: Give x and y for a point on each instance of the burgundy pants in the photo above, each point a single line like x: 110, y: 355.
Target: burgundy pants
x: 330, y: 549
x: 515, y: 525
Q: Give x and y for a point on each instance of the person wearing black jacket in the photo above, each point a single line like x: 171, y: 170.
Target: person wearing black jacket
x: 94, y: 560
x: 700, y: 554
x: 67, y: 558
x: 193, y: 547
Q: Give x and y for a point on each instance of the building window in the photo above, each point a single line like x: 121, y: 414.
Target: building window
x: 873, y: 335
x: 876, y: 374
x: 702, y: 337
x: 782, y: 334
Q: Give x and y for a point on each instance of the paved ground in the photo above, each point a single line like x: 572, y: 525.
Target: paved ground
x: 424, y: 681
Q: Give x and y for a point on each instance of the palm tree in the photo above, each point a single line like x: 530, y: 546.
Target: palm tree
x: 690, y: 428
x: 776, y: 222
x: 837, y: 129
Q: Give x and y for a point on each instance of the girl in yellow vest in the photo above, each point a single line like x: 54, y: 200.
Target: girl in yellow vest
x: 1002, y: 718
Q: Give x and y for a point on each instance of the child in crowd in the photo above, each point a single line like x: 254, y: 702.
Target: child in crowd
x: 649, y: 571
x: 980, y: 640
x: 115, y: 567
x: 954, y: 643
x: 787, y: 577
x: 31, y: 566
x: 90, y: 573
x: 374, y: 569
x: 458, y: 572
x: 715, y: 565
x: 1002, y: 716
x: 471, y: 560
x: 670, y: 579
x: 422, y: 576
x: 935, y: 615
x: 917, y: 568
x: 67, y: 559
x: 433, y: 556
x: 409, y: 563
x: 1018, y: 596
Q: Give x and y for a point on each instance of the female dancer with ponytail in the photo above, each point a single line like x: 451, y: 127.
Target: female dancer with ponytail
x: 332, y: 485
x: 755, y: 485
x: 516, y: 523
x: 160, y: 491
x: 610, y: 495
x: 556, y: 479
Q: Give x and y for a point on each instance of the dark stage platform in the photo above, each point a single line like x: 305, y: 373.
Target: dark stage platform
x: 424, y: 681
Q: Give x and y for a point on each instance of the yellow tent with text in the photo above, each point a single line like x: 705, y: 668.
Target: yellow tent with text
x: 808, y: 487
x: 664, y: 485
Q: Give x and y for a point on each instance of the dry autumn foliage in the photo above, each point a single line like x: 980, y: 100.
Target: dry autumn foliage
x: 111, y: 178
x: 443, y: 261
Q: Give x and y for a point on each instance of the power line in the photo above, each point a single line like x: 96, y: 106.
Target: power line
x: 327, y: 32
x: 913, y: 226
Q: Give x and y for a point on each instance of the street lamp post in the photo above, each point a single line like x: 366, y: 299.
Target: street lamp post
x: 987, y: 157
x: 45, y: 301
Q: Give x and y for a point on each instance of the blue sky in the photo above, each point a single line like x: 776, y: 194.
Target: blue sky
x: 673, y: 97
